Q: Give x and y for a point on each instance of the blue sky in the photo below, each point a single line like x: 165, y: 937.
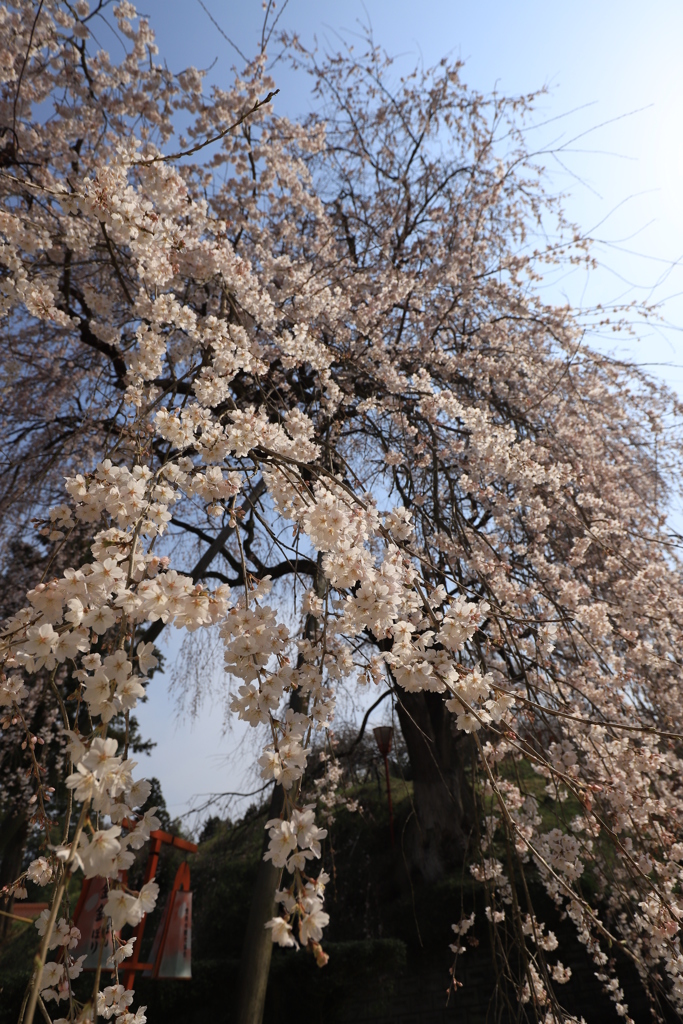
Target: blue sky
x: 615, y: 78
x: 615, y: 81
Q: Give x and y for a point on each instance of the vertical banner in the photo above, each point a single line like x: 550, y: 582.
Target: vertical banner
x: 91, y: 922
x: 172, y: 948
x: 176, y: 953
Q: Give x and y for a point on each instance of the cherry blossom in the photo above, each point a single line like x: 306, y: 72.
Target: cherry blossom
x: 320, y: 359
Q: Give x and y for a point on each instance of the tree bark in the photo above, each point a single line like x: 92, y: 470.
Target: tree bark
x: 436, y: 839
x: 257, y: 949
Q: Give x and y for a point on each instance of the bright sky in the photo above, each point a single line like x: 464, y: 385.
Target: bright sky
x: 614, y: 69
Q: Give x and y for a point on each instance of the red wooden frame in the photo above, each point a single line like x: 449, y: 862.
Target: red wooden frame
x: 182, y: 881
x: 157, y: 840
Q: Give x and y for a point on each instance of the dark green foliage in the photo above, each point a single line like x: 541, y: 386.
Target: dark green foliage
x: 16, y: 958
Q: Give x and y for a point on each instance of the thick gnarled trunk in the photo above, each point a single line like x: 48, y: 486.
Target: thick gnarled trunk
x: 436, y: 837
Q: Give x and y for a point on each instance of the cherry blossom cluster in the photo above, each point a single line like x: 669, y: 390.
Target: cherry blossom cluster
x: 56, y: 975
x: 228, y: 354
x: 302, y: 914
x: 98, y: 606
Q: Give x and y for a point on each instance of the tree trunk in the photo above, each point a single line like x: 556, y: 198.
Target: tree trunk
x: 257, y: 950
x: 436, y: 838
x: 258, y: 943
